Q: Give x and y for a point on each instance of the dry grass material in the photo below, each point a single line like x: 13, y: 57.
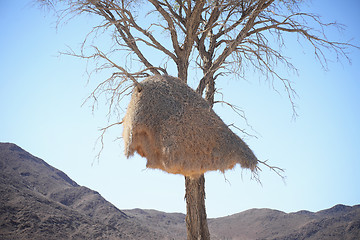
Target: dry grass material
x: 176, y: 130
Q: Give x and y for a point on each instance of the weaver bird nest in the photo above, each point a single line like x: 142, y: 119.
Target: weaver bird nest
x: 176, y: 130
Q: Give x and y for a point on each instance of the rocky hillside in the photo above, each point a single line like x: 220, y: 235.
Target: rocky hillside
x: 38, y: 201
x: 41, y: 202
x: 339, y: 222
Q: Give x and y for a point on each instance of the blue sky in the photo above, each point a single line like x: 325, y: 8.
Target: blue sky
x: 40, y: 110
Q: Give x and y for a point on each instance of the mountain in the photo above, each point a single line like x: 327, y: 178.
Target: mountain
x: 38, y: 201
x: 338, y: 222
x: 41, y: 202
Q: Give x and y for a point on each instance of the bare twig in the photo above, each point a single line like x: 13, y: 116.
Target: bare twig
x: 277, y: 170
x: 226, y: 38
x: 102, y: 135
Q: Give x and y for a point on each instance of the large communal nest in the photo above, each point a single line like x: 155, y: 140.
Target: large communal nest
x: 176, y: 130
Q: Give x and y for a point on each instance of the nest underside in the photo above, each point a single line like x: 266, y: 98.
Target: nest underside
x: 176, y: 130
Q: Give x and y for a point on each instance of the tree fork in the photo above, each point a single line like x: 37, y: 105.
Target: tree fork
x: 196, y: 221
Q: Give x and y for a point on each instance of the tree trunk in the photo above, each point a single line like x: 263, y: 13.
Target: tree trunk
x: 196, y: 223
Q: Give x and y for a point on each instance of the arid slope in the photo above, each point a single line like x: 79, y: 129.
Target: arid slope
x: 38, y: 201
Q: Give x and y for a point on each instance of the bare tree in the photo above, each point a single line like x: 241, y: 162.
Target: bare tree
x: 221, y: 37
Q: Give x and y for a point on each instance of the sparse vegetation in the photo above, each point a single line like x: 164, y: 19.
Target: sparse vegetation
x: 222, y: 38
